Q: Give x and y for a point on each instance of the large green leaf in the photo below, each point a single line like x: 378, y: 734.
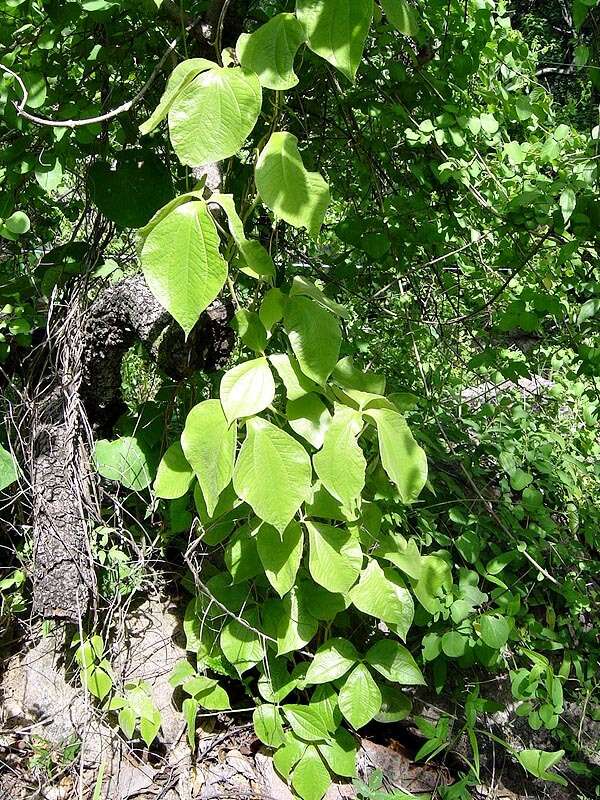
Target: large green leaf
x: 314, y: 335
x: 394, y: 662
x: 306, y: 722
x: 287, y: 188
x: 538, y: 762
x: 340, y: 753
x: 296, y: 384
x: 382, y: 594
x: 337, y: 30
x: 309, y: 417
x: 296, y: 626
x: 183, y: 74
x: 267, y: 725
x: 402, y: 15
x: 174, y: 474
x: 360, y: 697
x: 208, y: 443
x: 182, y: 263
x: 272, y: 473
x: 341, y: 465
x: 434, y: 575
x: 8, y: 469
x: 247, y: 389
x: 402, y: 458
x: 270, y: 51
x: 280, y: 555
x: 242, y: 647
x: 286, y: 758
x: 311, y: 778
x: 124, y: 460
x: 335, y: 557
x: 332, y: 660
x: 213, y: 115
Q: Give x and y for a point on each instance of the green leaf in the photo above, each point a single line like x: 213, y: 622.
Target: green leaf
x: 516, y: 152
x: 589, y: 309
x: 382, y: 594
x: 272, y: 309
x: 567, y: 202
x: 296, y: 384
x: 241, y: 554
x: 36, y: 89
x: 309, y: 417
x: 395, y: 705
x: 190, y: 710
x: 123, y: 460
x: 325, y: 700
x: 306, y: 288
x: 181, y: 672
x: 127, y: 720
x: 286, y: 758
x: 394, y: 662
x: 270, y: 51
x: 402, y: 458
x: 337, y: 30
x: 267, y: 725
x: 98, y: 681
x: 332, y: 660
x: 247, y: 389
x: 520, y: 479
x: 325, y: 605
x: 538, y: 762
x: 315, y: 337
x: 272, y: 473
x: 280, y: 555
x: 402, y: 16
x: 401, y: 552
x: 255, y: 260
x: 242, y: 647
x: 340, y: 753
x: 18, y: 223
x: 435, y: 575
x: 250, y: 330
x: 174, y: 474
x: 454, y: 644
x: 311, y: 778
x: 296, y: 625
x: 50, y: 175
x: 360, y: 697
x: 341, y: 465
x: 335, y: 557
x: 494, y: 631
x: 287, y: 188
x: 275, y: 683
x: 208, y: 694
x: 8, y: 469
x: 213, y: 115
x: 181, y: 76
x: 182, y: 263
x: 149, y: 728
x: 208, y: 443
x: 306, y: 722
x: 349, y: 376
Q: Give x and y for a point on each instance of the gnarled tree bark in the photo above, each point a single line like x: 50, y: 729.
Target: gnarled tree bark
x: 83, y: 391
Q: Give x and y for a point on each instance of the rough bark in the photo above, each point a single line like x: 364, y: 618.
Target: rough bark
x: 86, y: 351
x: 127, y: 312
x: 62, y: 492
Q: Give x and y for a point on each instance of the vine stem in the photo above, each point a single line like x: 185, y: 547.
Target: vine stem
x: 79, y: 123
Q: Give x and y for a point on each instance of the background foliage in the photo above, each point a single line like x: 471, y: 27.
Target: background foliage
x: 394, y: 481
